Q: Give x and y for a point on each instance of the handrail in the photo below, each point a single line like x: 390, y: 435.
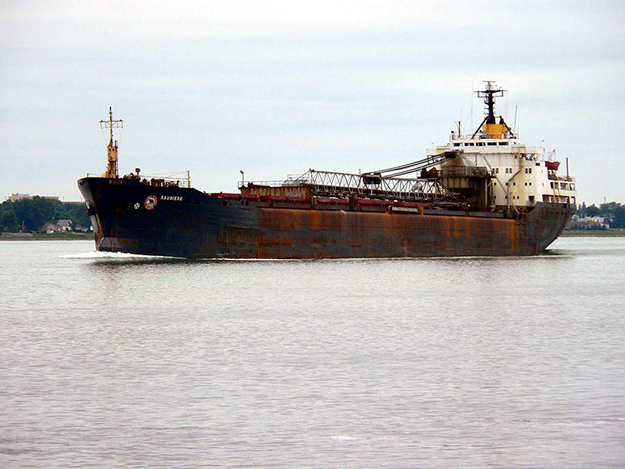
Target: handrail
x: 158, y: 180
x: 330, y: 183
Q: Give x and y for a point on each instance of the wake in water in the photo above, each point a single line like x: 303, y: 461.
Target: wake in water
x: 122, y: 256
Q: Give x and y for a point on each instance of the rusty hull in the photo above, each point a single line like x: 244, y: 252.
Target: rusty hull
x: 189, y: 223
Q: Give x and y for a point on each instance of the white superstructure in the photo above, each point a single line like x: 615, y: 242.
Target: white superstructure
x: 522, y: 175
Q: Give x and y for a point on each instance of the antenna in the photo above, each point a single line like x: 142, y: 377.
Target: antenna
x: 492, y: 129
x: 111, y: 150
x: 111, y: 123
x: 472, y: 91
x: 516, y: 108
x: 489, y: 94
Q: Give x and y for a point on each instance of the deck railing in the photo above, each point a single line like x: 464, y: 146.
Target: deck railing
x: 157, y: 180
x: 332, y: 184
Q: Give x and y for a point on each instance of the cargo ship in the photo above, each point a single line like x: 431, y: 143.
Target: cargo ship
x: 481, y: 194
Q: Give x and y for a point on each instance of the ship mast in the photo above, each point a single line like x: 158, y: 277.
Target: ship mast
x: 489, y: 95
x: 111, y: 150
x: 492, y: 128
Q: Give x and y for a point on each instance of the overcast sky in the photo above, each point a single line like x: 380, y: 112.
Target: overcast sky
x: 278, y: 87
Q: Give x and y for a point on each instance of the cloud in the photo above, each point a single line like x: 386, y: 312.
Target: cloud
x: 295, y: 85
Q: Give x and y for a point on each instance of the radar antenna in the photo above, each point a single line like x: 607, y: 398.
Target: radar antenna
x: 489, y: 94
x: 492, y: 128
x: 111, y: 150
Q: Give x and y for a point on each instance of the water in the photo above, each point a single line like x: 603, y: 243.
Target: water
x: 124, y: 361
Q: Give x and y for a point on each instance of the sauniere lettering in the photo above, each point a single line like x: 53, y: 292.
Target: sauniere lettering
x: 174, y: 198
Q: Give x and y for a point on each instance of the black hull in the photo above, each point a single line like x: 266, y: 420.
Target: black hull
x: 132, y: 217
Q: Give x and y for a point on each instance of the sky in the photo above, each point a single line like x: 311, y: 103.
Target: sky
x: 277, y: 87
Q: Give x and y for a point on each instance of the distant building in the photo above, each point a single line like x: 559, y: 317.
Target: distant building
x: 15, y: 197
x: 64, y: 225
x: 59, y: 226
x: 589, y: 223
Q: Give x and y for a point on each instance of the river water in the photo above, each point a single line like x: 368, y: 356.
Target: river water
x: 126, y: 361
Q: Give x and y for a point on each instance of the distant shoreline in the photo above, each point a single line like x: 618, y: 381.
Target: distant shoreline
x: 46, y: 237
x: 609, y: 233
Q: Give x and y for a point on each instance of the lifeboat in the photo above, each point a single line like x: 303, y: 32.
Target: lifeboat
x: 553, y: 165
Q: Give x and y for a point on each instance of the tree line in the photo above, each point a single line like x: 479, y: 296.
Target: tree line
x: 31, y: 215
x: 612, y: 210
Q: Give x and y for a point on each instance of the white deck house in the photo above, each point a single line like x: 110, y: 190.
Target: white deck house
x: 523, y: 175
